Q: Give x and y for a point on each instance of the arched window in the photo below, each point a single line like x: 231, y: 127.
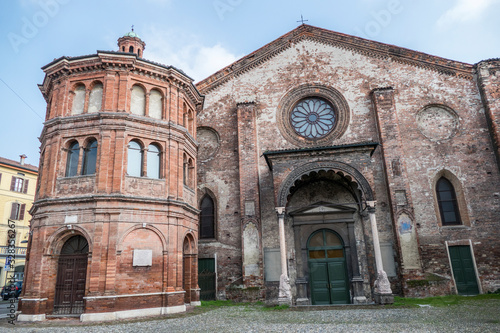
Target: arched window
x: 134, y: 161
x: 207, y: 218
x: 131, y: 49
x: 155, y: 104
x: 138, y: 101
x: 447, y: 201
x: 185, y: 170
x: 89, y: 158
x: 78, y: 100
x: 153, y: 161
x: 95, y: 99
x: 72, y: 159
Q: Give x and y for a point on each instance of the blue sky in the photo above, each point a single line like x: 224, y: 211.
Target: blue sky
x: 202, y: 36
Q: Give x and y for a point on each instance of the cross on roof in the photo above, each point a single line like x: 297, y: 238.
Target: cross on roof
x: 132, y: 27
x: 302, y: 19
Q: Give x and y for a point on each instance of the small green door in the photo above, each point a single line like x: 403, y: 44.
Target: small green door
x: 463, y: 270
x: 327, y: 269
x: 206, y: 279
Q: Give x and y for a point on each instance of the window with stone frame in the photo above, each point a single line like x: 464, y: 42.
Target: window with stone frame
x: 17, y: 211
x: 447, y: 201
x: 19, y: 184
x: 207, y: 218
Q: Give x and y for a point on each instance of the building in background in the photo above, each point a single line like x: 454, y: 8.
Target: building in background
x: 115, y: 221
x: 17, y: 192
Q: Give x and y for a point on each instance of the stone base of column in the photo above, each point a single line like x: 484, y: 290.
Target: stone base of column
x: 383, y: 298
x: 284, y: 295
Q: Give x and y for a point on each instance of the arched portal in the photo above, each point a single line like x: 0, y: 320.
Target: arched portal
x: 329, y: 282
x: 327, y: 199
x: 71, y: 276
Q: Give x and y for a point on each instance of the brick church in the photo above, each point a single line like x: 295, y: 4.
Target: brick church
x: 320, y: 169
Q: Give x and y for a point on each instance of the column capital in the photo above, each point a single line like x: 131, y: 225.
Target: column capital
x: 280, y: 210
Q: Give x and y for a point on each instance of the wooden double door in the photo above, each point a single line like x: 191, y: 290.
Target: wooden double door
x: 71, y: 277
x: 463, y: 270
x: 327, y: 269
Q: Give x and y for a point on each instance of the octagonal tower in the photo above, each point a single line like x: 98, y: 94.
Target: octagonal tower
x: 115, y: 219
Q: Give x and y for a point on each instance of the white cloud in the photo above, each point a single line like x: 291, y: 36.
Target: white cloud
x: 465, y: 10
x: 186, y: 52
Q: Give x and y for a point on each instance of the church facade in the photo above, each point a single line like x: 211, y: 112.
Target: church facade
x: 334, y: 170
x: 320, y: 169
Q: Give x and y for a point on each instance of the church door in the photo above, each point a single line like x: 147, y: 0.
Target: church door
x: 71, y: 277
x: 327, y: 269
x: 463, y: 270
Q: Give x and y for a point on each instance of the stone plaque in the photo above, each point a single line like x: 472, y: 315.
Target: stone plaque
x: 401, y: 198
x: 249, y: 208
x: 142, y: 258
x: 272, y: 264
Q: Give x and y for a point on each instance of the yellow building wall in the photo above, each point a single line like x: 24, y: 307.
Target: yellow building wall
x: 21, y: 227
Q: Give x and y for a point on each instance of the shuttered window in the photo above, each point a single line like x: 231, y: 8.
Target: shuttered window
x: 18, y: 184
x: 17, y: 211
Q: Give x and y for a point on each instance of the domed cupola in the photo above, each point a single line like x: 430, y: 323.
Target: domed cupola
x: 131, y: 43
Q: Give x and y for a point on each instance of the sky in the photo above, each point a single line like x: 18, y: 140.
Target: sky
x: 203, y: 36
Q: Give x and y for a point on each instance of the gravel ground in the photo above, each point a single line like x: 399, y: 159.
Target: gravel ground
x: 481, y: 316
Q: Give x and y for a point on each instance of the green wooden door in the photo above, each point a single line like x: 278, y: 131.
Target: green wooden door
x: 339, y: 287
x: 463, y: 270
x: 320, y: 292
x: 206, y: 279
x: 327, y: 269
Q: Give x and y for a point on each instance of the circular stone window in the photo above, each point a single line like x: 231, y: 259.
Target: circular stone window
x: 313, y: 118
x: 313, y: 115
x: 437, y: 122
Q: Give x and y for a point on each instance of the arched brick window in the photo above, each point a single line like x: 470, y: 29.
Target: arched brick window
x: 72, y: 159
x: 447, y: 201
x: 134, y: 160
x: 78, y: 100
x: 95, y: 99
x: 155, y: 104
x: 207, y: 217
x: 153, y: 161
x: 89, y: 158
x: 138, y: 101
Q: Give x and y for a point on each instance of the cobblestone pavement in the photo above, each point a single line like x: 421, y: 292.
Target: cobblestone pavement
x: 481, y: 316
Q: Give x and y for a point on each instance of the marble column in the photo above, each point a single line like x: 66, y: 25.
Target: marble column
x: 383, y: 292
x: 284, y: 296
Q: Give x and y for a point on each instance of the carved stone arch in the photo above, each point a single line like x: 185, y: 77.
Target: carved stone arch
x: 61, y: 235
x: 338, y: 167
x: 163, y: 239
x: 459, y: 192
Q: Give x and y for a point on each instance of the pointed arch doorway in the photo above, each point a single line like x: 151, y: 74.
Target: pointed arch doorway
x: 71, y: 277
x: 327, y: 268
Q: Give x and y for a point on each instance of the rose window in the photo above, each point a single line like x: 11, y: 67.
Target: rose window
x: 313, y: 118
